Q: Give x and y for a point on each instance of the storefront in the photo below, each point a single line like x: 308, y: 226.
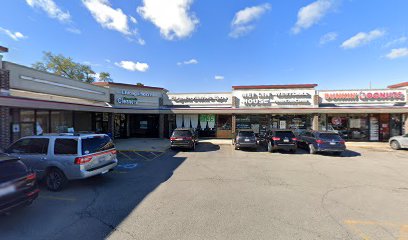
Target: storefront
x: 373, y: 124
x: 34, y: 102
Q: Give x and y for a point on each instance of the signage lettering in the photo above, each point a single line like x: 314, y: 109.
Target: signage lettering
x: 268, y: 99
x: 134, y: 93
x: 365, y: 96
x: 185, y: 100
x: 127, y: 100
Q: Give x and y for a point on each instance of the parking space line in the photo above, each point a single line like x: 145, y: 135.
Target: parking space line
x: 58, y: 198
x: 143, y: 156
x: 126, y: 156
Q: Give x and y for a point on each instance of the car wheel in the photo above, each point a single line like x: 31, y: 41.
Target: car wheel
x: 312, y: 149
x: 270, y: 148
x: 293, y: 151
x: 395, y: 145
x: 55, y: 180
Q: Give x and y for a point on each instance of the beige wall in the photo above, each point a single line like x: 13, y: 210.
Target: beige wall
x: 28, y: 79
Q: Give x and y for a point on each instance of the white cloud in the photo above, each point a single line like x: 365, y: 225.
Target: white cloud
x: 218, y: 77
x: 397, y: 41
x: 362, y: 38
x: 172, y: 17
x: 108, y: 17
x: 133, y: 66
x: 312, y: 14
x: 397, y: 53
x: 328, y: 37
x: 51, y: 8
x: 15, y: 36
x: 241, y: 24
x: 188, y: 62
x: 74, y: 30
x: 132, y: 19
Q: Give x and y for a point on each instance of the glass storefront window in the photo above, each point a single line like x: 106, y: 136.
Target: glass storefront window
x: 42, y: 122
x: 224, y: 122
x: 61, y: 121
x: 396, y: 125
x: 350, y: 127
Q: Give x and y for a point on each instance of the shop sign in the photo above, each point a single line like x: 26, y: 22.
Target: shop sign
x: 199, y: 99
x: 127, y: 100
x: 136, y: 93
x: 275, y: 98
x: 207, y: 118
x: 365, y: 96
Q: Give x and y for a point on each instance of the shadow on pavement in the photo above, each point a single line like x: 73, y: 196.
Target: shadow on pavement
x: 200, y: 147
x: 97, y: 206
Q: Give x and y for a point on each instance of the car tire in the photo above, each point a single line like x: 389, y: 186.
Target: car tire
x: 395, y: 145
x: 55, y: 180
x: 270, y: 148
x: 312, y: 149
x: 337, y: 154
x: 293, y: 151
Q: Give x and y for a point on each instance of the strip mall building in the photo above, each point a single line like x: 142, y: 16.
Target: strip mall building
x: 34, y: 102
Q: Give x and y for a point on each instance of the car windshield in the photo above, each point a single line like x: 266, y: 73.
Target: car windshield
x: 246, y: 134
x: 285, y: 134
x: 182, y: 133
x: 96, y: 144
x: 330, y: 136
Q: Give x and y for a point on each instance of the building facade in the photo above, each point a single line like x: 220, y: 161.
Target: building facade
x: 33, y: 102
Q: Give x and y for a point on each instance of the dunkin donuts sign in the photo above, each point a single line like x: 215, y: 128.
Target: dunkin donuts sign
x: 365, y: 96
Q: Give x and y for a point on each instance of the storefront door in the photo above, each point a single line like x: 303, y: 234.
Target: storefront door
x: 384, y: 127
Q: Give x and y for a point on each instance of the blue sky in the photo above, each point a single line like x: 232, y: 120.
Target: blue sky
x: 208, y: 46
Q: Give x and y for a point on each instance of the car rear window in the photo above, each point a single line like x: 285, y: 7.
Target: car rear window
x: 11, y: 169
x: 182, y: 133
x: 285, y: 134
x: 65, y: 146
x: 246, y: 134
x: 330, y: 136
x: 96, y: 144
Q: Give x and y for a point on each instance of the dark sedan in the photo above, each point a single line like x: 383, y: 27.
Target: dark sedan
x: 183, y: 138
x: 316, y: 141
x: 18, y: 185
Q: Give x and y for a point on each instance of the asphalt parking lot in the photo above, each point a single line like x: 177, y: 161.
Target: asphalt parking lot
x: 219, y: 193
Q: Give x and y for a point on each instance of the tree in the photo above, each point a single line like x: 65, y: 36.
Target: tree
x: 105, y: 77
x: 66, y: 67
x: 139, y: 84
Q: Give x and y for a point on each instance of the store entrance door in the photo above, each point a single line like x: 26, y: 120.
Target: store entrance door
x: 384, y: 127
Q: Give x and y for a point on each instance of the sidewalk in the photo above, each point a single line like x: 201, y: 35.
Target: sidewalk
x: 142, y: 144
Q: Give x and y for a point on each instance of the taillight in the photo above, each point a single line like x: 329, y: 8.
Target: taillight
x: 275, y: 138
x: 319, y: 141
x: 294, y: 139
x: 114, y: 151
x: 172, y: 138
x: 82, y: 160
x: 31, y: 177
x: 342, y: 142
x: 188, y: 138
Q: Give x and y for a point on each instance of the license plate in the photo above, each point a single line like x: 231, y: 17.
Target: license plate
x: 7, y: 190
x: 246, y: 140
x: 332, y: 143
x: 286, y: 140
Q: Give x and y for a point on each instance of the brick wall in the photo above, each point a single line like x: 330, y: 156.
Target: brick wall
x: 4, y: 79
x: 4, y: 111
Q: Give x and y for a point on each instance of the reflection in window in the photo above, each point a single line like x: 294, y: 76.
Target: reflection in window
x: 61, y: 121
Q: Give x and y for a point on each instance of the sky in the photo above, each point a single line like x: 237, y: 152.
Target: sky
x: 211, y: 45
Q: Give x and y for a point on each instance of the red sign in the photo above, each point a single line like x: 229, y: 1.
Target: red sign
x: 365, y: 96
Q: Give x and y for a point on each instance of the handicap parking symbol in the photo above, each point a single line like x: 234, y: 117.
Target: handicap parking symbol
x: 128, y: 165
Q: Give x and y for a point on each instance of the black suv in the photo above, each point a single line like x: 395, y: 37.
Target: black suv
x: 274, y: 140
x: 245, y: 139
x: 18, y: 185
x: 183, y: 138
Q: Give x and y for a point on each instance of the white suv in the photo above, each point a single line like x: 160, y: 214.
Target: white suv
x: 61, y: 157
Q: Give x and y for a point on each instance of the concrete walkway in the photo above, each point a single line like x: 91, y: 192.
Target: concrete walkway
x: 142, y: 144
x: 161, y: 145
